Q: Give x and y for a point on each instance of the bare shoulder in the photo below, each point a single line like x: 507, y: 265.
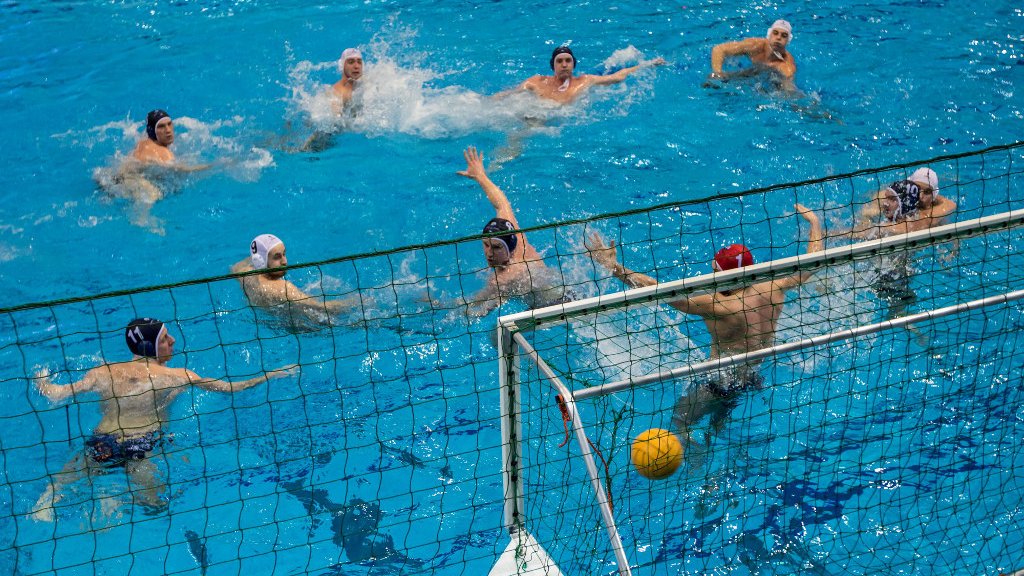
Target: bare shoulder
x: 166, y: 377
x: 534, y: 82
x: 944, y: 207
x: 753, y: 43
x: 142, y: 149
x: 341, y: 89
x: 148, y: 151
x: 104, y: 374
x: 241, y: 266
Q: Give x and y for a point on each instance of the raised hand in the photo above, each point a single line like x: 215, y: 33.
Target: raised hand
x: 605, y: 255
x: 474, y: 164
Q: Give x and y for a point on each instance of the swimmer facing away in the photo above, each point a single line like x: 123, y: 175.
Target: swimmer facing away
x: 271, y: 291
x: 517, y: 268
x: 739, y: 320
x: 563, y: 86
x: 135, y: 399
x: 767, y: 55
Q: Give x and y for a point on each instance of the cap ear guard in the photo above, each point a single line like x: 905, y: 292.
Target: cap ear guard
x: 152, y: 119
x: 257, y: 259
x: 502, y: 225
x: 143, y: 335
x: 259, y: 249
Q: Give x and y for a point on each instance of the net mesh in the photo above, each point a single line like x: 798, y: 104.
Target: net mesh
x: 381, y: 452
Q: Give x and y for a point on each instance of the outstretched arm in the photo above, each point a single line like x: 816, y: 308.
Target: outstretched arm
x: 475, y: 171
x: 608, y: 257
x: 215, y: 385
x: 622, y: 74
x: 57, y: 392
x: 815, y: 243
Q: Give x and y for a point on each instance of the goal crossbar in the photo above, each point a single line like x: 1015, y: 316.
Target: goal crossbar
x: 839, y: 255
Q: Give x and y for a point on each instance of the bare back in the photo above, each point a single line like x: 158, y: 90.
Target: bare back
x: 135, y: 396
x: 741, y: 321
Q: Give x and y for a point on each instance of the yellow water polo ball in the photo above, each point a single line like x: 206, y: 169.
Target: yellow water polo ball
x: 657, y: 453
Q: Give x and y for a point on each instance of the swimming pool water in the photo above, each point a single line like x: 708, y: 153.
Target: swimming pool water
x: 392, y: 413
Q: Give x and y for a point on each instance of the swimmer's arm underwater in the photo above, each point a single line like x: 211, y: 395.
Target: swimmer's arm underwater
x: 190, y: 168
x: 607, y: 256
x: 483, y: 302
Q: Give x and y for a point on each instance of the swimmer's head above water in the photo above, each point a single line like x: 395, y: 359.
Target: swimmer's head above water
x: 159, y: 127
x: 499, y: 249
x: 732, y: 257
x: 779, y: 34
x: 928, y: 181
x: 143, y: 337
x: 563, y: 66
x: 351, y: 64
x: 267, y: 251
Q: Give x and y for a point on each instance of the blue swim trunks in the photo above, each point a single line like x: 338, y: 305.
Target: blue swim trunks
x: 107, y: 449
x: 728, y: 386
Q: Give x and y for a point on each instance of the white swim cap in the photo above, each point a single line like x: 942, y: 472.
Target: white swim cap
x: 349, y: 53
x: 260, y: 247
x: 928, y: 176
x: 781, y: 25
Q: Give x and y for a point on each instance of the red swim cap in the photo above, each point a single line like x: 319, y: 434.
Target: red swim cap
x: 733, y: 257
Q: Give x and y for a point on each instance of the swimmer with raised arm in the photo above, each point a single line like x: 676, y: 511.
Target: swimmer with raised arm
x: 768, y: 54
x: 518, y: 269
x: 135, y: 399
x: 563, y: 86
x: 739, y: 320
x: 270, y: 290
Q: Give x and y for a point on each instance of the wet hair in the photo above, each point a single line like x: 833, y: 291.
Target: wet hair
x: 563, y: 50
x: 502, y: 225
x: 152, y: 119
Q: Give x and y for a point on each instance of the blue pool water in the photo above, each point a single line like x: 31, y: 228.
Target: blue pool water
x: 395, y: 413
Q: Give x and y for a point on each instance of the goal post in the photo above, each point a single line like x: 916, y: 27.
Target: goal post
x: 527, y: 413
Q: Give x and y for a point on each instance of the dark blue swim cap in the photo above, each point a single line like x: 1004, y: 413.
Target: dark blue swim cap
x: 563, y: 50
x: 502, y: 225
x: 909, y: 194
x: 151, y: 120
x: 141, y: 336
